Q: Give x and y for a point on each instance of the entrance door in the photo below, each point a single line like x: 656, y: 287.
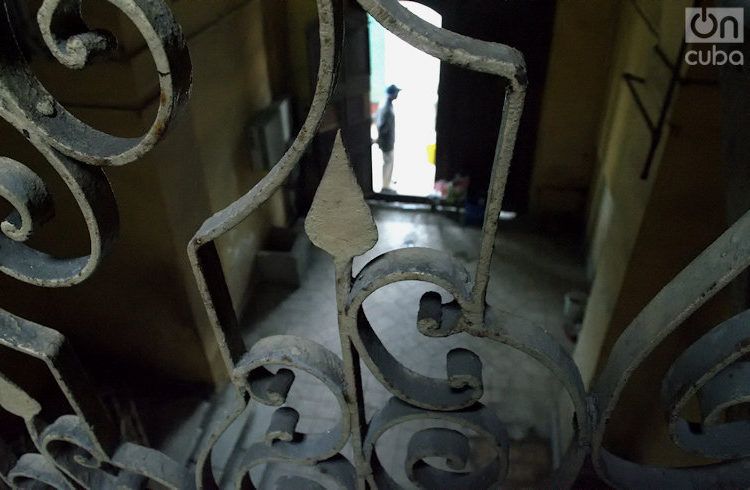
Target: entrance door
x: 395, y: 62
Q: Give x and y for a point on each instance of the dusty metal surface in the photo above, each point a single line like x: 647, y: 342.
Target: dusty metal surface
x: 82, y: 448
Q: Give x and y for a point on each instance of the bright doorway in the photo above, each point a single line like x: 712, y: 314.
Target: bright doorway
x: 417, y: 74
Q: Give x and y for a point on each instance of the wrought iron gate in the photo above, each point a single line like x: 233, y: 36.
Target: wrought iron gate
x: 82, y: 449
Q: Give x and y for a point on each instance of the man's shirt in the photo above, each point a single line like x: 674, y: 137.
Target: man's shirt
x: 386, y: 122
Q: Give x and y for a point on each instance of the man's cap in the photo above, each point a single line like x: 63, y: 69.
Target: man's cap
x: 392, y: 90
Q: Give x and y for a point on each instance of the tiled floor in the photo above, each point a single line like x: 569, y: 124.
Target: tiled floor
x: 530, y: 274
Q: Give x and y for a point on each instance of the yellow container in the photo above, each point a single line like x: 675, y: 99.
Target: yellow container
x: 431, y: 153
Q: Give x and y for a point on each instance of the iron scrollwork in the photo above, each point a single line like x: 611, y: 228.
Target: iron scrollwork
x: 712, y: 369
x: 82, y: 449
x: 74, y: 149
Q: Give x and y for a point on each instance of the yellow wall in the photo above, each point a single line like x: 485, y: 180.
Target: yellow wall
x: 642, y: 232
x: 301, y: 14
x: 230, y: 80
x: 685, y: 213
x: 620, y: 195
x: 574, y: 97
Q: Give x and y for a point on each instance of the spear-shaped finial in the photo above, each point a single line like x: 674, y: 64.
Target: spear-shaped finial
x: 339, y: 220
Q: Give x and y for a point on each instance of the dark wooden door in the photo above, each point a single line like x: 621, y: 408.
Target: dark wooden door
x: 349, y: 108
x: 470, y: 103
x: 351, y: 101
x: 353, y: 95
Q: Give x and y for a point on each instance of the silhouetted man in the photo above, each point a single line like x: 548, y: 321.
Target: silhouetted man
x: 386, y: 122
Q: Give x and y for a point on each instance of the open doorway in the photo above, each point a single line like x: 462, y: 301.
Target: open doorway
x: 417, y: 74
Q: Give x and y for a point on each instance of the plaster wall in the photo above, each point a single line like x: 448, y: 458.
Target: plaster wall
x: 573, y: 103
x: 642, y: 232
